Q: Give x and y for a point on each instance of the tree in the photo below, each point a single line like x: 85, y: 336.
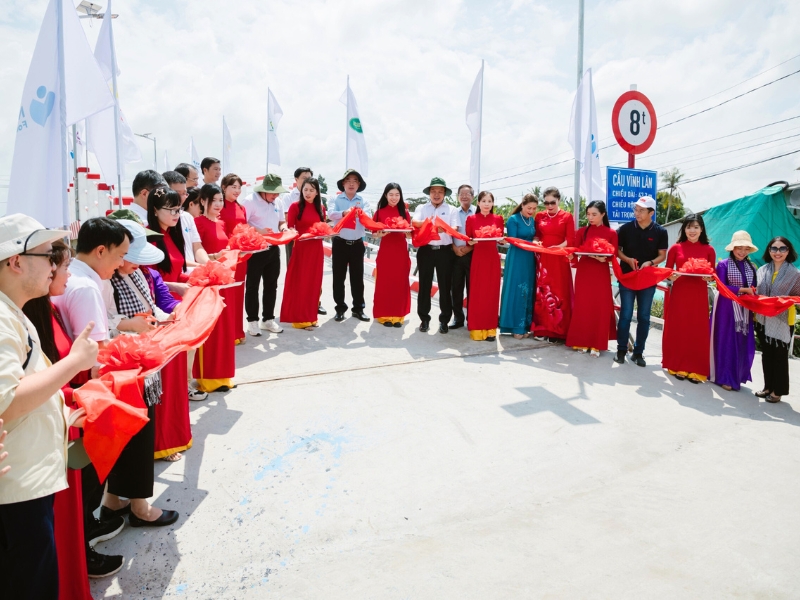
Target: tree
x: 566, y: 204
x: 412, y: 203
x: 323, y: 186
x: 663, y: 203
x: 672, y: 179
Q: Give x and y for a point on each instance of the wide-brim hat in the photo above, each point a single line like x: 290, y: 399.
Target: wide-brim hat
x: 361, y: 186
x: 438, y: 182
x: 743, y: 239
x: 140, y: 252
x: 271, y: 184
x: 128, y: 215
x: 20, y: 233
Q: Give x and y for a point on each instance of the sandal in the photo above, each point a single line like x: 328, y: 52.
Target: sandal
x: 595, y: 353
x: 762, y: 393
x: 518, y: 336
x: 173, y: 457
x: 727, y: 388
x: 772, y: 398
x: 680, y: 377
x: 693, y: 380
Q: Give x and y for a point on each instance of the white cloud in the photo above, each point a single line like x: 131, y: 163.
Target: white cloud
x: 185, y: 64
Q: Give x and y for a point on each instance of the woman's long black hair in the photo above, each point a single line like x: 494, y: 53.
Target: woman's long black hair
x: 791, y: 256
x: 384, y: 201
x: 40, y: 310
x: 317, y: 201
x: 163, y: 197
x: 207, y: 193
x: 601, y: 208
x: 688, y: 220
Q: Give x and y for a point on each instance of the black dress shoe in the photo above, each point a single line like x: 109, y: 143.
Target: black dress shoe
x: 425, y: 326
x: 491, y: 338
x: 321, y: 311
x: 456, y: 325
x: 361, y: 316
x: 398, y: 325
x: 680, y: 377
x: 339, y: 317
x: 168, y: 517
x: 443, y: 328
x: 619, y: 357
x: 388, y: 324
x: 638, y: 360
x: 106, y: 514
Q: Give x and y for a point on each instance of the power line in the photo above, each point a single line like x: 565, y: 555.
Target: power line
x: 705, y: 110
x: 733, y: 86
x: 730, y: 170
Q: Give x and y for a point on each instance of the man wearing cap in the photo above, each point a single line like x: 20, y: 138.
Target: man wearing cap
x: 264, y: 212
x: 437, y: 255
x: 348, y: 247
x: 642, y: 243
x: 32, y: 407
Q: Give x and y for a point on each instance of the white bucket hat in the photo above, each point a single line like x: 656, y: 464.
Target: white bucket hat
x: 20, y: 234
x: 741, y: 238
x: 140, y: 251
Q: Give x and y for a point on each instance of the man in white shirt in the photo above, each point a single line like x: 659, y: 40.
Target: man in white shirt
x: 265, y: 213
x: 436, y: 256
x: 463, y: 258
x: 210, y: 169
x: 194, y: 252
x: 190, y: 173
x: 348, y: 247
x: 32, y: 406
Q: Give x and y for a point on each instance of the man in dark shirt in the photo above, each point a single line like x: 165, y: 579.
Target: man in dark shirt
x: 642, y: 243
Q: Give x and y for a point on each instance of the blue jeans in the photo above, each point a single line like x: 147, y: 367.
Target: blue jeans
x: 644, y: 302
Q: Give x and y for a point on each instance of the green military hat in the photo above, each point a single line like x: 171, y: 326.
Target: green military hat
x: 128, y: 215
x: 438, y: 182
x: 271, y: 184
x: 361, y: 186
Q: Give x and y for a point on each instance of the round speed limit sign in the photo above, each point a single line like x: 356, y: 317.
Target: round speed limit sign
x: 634, y: 122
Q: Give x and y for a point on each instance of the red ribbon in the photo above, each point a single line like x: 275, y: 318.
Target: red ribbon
x: 531, y: 247
x: 424, y: 234
x: 438, y: 222
x: 348, y: 222
x: 368, y: 222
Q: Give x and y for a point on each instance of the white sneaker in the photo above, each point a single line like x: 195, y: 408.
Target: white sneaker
x: 196, y: 395
x: 270, y: 325
x: 252, y: 328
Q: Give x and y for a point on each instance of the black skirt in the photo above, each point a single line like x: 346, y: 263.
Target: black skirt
x: 133, y: 474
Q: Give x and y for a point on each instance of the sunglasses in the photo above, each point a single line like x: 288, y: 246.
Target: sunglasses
x: 552, y: 203
x: 778, y: 249
x: 52, y: 256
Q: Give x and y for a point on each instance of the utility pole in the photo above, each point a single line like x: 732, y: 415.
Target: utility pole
x: 576, y: 189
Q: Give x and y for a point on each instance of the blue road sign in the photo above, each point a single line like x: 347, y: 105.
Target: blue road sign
x: 624, y: 187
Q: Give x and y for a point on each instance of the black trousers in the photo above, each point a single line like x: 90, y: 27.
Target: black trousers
x: 439, y: 259
x: 289, y: 247
x: 262, y: 267
x: 775, y: 364
x: 28, y: 564
x: 348, y: 254
x: 133, y: 474
x: 461, y: 266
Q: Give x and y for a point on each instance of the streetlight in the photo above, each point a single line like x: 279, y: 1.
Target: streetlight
x: 152, y: 138
x: 88, y: 10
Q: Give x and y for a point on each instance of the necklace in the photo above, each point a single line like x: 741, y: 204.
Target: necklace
x: 526, y: 221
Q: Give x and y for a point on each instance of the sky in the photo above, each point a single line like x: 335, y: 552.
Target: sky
x: 184, y: 64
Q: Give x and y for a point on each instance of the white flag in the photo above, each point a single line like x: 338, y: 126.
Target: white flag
x: 166, y: 162
x: 356, y: 146
x: 102, y: 135
x: 193, y: 156
x: 37, y: 187
x: 584, y: 140
x: 227, y: 148
x: 274, y: 114
x: 474, y: 122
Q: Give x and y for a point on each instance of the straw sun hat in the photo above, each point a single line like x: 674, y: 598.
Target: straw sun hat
x: 741, y: 238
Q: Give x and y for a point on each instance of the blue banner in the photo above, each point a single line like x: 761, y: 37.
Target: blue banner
x: 624, y: 187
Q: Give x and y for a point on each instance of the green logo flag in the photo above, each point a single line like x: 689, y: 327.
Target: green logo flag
x: 356, y: 145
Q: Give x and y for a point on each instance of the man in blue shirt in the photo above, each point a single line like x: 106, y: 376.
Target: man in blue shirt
x: 463, y: 252
x: 348, y: 247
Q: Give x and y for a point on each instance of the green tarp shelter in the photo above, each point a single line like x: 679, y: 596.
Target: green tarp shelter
x: 763, y: 215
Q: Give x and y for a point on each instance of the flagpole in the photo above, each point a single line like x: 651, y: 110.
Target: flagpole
x: 576, y: 190
x: 223, y: 145
x: 480, y: 128
x: 75, y: 165
x: 346, y: 125
x: 268, y: 126
x: 116, y: 104
x: 62, y: 110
